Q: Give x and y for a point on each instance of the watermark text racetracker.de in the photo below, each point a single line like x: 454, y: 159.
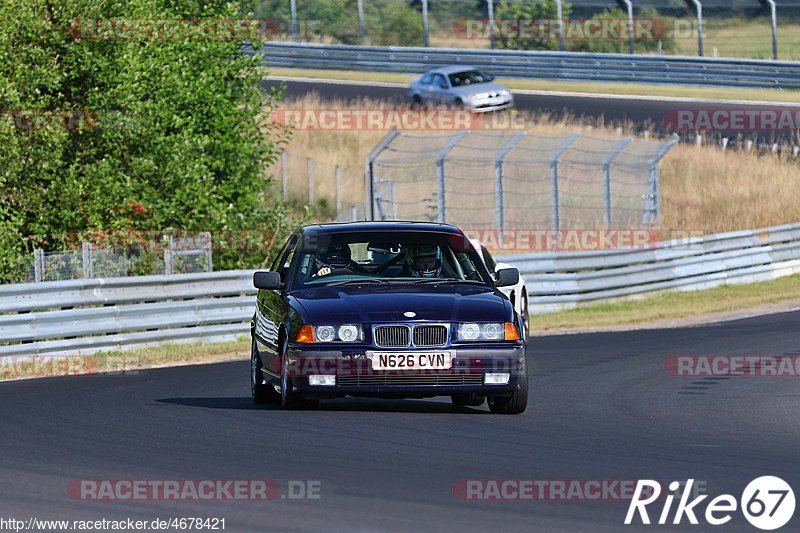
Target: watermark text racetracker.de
x: 744, y: 366
x: 186, y: 523
x: 551, y: 489
x: 193, y: 489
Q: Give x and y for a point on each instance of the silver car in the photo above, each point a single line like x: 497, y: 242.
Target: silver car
x: 461, y: 87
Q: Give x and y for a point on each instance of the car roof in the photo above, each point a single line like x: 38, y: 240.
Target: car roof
x: 375, y: 226
x: 451, y: 69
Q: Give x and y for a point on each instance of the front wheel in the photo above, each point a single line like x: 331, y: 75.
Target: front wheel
x: 291, y: 399
x: 260, y: 391
x: 526, y: 314
x: 514, y: 404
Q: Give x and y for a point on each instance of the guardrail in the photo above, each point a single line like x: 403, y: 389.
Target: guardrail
x: 571, y: 66
x: 83, y: 316
x: 565, y: 280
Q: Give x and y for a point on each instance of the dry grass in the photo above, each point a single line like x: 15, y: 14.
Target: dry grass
x: 703, y: 188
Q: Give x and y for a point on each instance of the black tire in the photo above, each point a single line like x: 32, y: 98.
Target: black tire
x: 261, y: 392
x: 514, y: 404
x: 416, y: 101
x: 289, y: 398
x: 458, y: 103
x: 469, y: 399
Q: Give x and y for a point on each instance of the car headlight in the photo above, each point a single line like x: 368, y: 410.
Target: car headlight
x: 343, y: 333
x: 504, y: 93
x: 480, y: 96
x: 488, y: 331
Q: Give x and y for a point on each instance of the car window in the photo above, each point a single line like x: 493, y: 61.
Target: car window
x: 427, y: 79
x: 285, y: 259
x: 488, y: 259
x: 274, y: 266
x: 397, y: 257
x: 439, y: 80
x: 467, y: 77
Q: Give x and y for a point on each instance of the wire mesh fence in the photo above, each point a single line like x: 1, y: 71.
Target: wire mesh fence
x: 174, y: 255
x: 335, y: 191
x: 516, y: 180
x: 759, y: 29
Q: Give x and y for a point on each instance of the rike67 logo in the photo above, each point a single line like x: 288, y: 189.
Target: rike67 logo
x: 767, y: 503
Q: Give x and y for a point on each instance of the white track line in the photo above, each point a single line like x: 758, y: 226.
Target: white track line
x: 533, y: 92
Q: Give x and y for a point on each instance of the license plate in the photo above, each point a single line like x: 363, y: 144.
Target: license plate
x: 412, y: 361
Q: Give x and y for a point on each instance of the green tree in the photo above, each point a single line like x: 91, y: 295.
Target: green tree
x: 528, y: 24
x: 175, y: 126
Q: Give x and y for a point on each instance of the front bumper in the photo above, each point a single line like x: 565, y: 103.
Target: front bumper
x: 355, y: 376
x: 491, y: 104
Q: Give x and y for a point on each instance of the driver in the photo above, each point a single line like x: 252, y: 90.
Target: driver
x: 424, y: 261
x: 334, y: 257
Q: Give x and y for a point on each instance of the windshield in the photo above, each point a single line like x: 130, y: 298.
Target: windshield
x: 468, y: 77
x: 383, y: 258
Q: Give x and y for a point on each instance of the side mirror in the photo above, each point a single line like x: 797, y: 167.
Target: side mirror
x: 443, y: 86
x: 507, y: 277
x: 267, y: 280
x: 490, y: 77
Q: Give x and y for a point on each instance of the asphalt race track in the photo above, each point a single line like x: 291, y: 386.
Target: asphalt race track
x: 602, y: 408
x: 646, y: 114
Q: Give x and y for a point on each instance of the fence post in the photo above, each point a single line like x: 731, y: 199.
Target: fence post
x: 619, y: 147
x: 369, y: 171
x: 209, y: 251
x: 310, y: 181
x: 338, y: 190
x: 168, y: 257
x: 490, y: 7
x: 441, y: 204
x: 284, y: 176
x: 500, y: 208
x: 560, y: 17
x: 629, y: 6
x: 774, y: 18
x: 354, y: 213
x: 554, y: 178
x: 87, y: 260
x: 653, y: 203
x: 38, y: 265
x: 699, y: 8
x: 361, y: 19
x: 425, y: 22
x: 293, y: 8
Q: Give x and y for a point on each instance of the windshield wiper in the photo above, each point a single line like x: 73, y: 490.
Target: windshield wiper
x: 357, y: 282
x: 447, y: 280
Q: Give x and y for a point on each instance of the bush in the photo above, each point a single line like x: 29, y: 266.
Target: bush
x: 171, y: 126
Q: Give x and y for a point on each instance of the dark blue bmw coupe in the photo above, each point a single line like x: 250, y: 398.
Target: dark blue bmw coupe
x: 390, y: 310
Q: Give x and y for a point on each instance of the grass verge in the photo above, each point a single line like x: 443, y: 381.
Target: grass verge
x: 665, y: 307
x: 611, y: 89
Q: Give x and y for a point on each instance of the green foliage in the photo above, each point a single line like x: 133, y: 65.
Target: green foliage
x: 162, y: 133
x: 516, y: 29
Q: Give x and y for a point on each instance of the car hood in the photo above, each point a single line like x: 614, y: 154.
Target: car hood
x: 371, y: 304
x: 471, y: 90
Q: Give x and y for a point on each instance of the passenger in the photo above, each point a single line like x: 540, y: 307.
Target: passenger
x: 423, y: 262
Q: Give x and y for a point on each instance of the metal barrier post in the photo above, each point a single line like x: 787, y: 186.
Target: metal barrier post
x: 554, y: 179
x: 369, y: 174
x: 38, y: 265
x: 620, y: 146
x: 498, y: 176
x: 169, y: 256
x: 653, y: 203
x: 629, y: 6
x: 425, y: 22
x: 209, y: 251
x: 490, y: 6
x: 773, y: 14
x: 361, y: 19
x: 293, y: 8
x: 441, y: 204
x: 560, y: 17
x: 699, y: 8
x: 87, y: 260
